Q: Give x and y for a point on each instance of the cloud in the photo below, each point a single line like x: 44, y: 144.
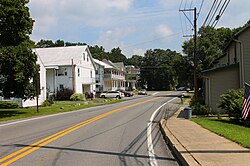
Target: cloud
x: 163, y: 30
x: 114, y: 37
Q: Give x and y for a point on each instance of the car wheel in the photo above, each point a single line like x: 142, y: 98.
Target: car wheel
x: 102, y: 96
x: 118, y: 97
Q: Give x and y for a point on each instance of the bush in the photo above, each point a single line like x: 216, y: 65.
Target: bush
x: 64, y: 94
x: 8, y: 105
x: 77, y: 97
x: 200, y: 110
x: 197, y: 101
x: 47, y: 103
x: 232, y: 102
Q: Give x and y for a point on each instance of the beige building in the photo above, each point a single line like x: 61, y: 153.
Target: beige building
x: 231, y: 70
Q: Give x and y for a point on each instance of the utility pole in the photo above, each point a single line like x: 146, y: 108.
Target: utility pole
x: 73, y: 76
x: 194, y: 24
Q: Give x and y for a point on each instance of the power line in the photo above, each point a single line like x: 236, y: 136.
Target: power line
x: 221, y: 12
x: 209, y: 12
x: 215, y: 11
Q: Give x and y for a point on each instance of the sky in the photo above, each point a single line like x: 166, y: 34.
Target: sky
x: 133, y: 25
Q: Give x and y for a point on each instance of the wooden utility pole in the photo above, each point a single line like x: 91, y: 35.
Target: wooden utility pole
x: 37, y: 91
x: 195, y: 54
x: 194, y: 24
x: 73, y: 76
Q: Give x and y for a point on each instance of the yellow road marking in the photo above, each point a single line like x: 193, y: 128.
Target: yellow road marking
x: 37, y: 145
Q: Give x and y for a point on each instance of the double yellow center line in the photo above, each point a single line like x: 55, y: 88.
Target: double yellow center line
x: 37, y: 145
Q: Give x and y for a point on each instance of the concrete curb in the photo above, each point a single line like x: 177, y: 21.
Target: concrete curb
x: 177, y: 154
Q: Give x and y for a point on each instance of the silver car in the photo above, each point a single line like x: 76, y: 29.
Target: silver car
x: 112, y: 94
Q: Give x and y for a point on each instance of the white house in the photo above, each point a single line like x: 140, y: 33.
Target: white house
x: 100, y: 67
x: 68, y: 67
x: 114, y: 76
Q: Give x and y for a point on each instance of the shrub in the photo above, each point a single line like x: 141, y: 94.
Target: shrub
x: 77, y: 97
x: 8, y: 105
x: 197, y: 101
x: 200, y: 110
x: 47, y: 103
x: 64, y: 94
x: 232, y: 102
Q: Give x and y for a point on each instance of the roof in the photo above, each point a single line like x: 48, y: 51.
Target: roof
x: 220, y: 68
x: 120, y: 65
x: 110, y: 64
x: 105, y: 65
x: 59, y: 56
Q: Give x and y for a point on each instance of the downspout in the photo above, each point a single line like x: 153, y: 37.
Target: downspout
x: 242, y: 73
x: 209, y: 90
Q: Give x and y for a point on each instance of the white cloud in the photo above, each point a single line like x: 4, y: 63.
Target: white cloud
x: 114, y: 37
x: 139, y: 51
x: 163, y: 30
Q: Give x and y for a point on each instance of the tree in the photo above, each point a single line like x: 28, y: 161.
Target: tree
x: 45, y: 43
x: 98, y: 52
x: 17, y: 61
x: 115, y: 55
x: 15, y: 22
x: 157, y: 70
x: 211, y: 44
x: 135, y: 60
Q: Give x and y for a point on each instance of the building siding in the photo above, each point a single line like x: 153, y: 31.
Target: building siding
x: 220, y: 82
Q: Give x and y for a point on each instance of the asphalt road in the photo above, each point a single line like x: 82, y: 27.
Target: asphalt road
x: 125, y: 133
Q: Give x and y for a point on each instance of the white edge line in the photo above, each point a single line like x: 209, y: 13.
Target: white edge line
x: 151, y: 152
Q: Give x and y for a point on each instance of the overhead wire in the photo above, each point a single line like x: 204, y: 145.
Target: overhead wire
x: 208, y: 15
x: 202, y: 3
x: 214, y: 12
x: 221, y: 12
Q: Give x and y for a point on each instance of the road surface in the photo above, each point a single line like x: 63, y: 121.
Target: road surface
x: 125, y: 134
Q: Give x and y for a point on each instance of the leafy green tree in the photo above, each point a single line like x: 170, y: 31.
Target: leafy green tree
x: 17, y: 61
x: 98, y: 52
x: 45, y: 43
x: 157, y: 70
x: 135, y: 60
x: 115, y: 55
x: 15, y: 22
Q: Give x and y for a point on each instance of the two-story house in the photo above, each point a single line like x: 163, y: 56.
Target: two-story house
x: 231, y: 70
x: 132, y: 77
x: 114, y: 76
x: 99, y: 74
x: 68, y: 67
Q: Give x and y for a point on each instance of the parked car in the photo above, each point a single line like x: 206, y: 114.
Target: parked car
x: 126, y: 93
x: 180, y: 88
x: 111, y: 94
x: 142, y: 92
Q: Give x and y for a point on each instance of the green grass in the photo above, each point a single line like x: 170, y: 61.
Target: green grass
x: 225, y: 128
x: 58, y: 107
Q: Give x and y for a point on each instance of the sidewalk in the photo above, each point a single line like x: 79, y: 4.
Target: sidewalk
x: 194, y: 145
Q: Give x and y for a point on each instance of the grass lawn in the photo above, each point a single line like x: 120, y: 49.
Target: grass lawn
x: 236, y: 133
x: 58, y: 107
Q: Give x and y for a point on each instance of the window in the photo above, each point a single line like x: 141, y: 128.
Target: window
x: 61, y: 86
x: 87, y: 58
x: 62, y: 72
x: 78, y: 72
x: 83, y: 56
x: 91, y: 73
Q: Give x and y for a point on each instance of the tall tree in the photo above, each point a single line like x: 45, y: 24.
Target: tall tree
x: 17, y: 61
x: 98, y: 52
x: 115, y: 55
x: 135, y: 60
x: 157, y: 70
